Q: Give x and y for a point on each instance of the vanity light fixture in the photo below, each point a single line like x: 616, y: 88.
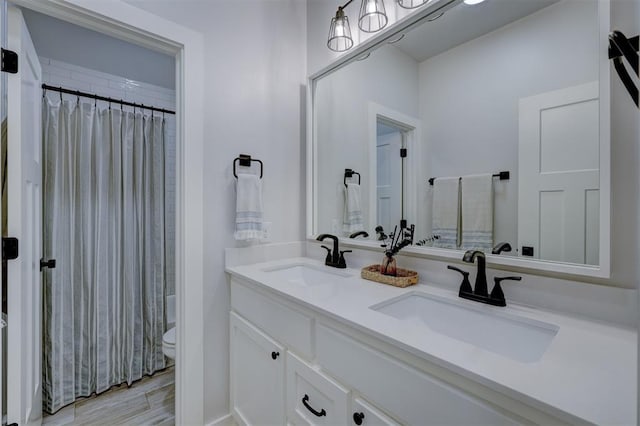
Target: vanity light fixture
x: 372, y: 16
x: 340, y: 32
x: 411, y: 4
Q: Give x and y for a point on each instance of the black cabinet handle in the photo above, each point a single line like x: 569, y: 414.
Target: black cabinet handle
x: 357, y: 418
x: 275, y: 355
x: 310, y: 408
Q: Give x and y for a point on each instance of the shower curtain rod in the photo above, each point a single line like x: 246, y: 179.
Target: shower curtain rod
x: 104, y: 98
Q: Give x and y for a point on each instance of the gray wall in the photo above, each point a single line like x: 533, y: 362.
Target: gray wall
x: 75, y: 45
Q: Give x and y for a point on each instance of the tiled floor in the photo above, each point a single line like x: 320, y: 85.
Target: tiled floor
x: 149, y: 401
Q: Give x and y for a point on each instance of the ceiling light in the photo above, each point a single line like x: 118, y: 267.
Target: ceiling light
x: 472, y: 1
x: 412, y: 4
x: 372, y: 16
x: 340, y: 33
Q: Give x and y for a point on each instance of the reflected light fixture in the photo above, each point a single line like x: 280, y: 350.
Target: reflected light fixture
x: 412, y: 4
x: 340, y: 32
x: 372, y: 16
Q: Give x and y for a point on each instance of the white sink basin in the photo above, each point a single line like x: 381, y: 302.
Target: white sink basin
x: 520, y: 339
x: 306, y: 275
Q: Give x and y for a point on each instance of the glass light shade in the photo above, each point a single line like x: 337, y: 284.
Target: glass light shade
x: 412, y: 4
x: 340, y: 33
x: 372, y: 16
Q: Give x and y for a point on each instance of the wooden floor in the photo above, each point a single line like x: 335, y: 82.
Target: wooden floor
x: 149, y: 401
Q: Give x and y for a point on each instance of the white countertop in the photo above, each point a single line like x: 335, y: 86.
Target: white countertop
x: 588, y: 373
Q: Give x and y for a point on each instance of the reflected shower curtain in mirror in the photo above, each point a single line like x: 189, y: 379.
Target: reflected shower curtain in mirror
x: 103, y: 180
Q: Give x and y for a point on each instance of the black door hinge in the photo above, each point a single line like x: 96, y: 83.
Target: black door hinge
x: 9, y: 248
x: 9, y: 61
x: 403, y: 152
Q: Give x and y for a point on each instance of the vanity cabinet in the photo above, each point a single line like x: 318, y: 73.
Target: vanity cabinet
x: 342, y: 371
x: 313, y: 398
x: 365, y: 414
x: 257, y: 375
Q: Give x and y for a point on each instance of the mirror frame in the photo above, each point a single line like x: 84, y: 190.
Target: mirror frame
x: 527, y: 265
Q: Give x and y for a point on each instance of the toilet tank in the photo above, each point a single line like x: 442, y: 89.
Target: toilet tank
x: 170, y: 311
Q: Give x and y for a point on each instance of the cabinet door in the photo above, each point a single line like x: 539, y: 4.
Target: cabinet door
x: 257, y: 376
x: 366, y: 415
x: 312, y: 397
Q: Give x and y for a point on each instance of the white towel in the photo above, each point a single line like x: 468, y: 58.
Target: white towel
x: 248, y: 207
x: 477, y: 212
x: 446, y: 212
x: 352, y: 221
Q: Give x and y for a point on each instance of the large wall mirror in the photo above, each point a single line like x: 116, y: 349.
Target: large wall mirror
x: 487, y: 124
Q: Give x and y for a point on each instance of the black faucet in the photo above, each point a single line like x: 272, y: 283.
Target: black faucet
x: 480, y: 288
x: 479, y: 292
x: 500, y: 247
x: 334, y: 258
x: 356, y: 234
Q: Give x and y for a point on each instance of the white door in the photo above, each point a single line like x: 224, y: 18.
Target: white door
x: 559, y: 174
x: 24, y: 378
x: 257, y: 376
x: 389, y: 180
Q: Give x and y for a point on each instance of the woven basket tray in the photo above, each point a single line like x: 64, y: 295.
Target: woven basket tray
x: 405, y: 277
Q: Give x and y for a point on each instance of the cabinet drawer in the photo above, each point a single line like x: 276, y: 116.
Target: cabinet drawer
x: 366, y: 415
x: 408, y: 394
x: 286, y: 325
x: 313, y: 398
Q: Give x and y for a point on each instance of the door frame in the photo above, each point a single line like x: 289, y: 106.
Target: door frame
x: 126, y: 22
x: 411, y: 134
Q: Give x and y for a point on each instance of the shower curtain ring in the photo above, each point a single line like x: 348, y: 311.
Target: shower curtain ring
x: 120, y: 104
x: 60, y: 91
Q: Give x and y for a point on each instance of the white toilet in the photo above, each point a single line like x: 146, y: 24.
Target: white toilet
x: 169, y: 343
x: 169, y: 337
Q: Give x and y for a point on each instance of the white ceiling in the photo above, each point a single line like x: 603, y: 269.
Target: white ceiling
x: 465, y: 22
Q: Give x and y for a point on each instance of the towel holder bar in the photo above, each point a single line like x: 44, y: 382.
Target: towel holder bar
x: 245, y: 160
x: 348, y: 173
x: 505, y: 175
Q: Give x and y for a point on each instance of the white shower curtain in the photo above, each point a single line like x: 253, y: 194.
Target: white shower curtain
x: 103, y: 222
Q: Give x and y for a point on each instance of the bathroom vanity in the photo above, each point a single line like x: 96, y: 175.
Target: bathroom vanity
x: 316, y: 345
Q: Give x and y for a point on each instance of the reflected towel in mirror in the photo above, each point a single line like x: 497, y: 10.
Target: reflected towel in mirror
x: 446, y: 212
x: 352, y: 221
x: 477, y: 212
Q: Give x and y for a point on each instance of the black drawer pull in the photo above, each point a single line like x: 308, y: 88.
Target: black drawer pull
x: 310, y: 408
x: 357, y: 418
x: 275, y: 355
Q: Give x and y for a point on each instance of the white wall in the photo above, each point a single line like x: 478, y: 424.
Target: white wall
x: 57, y: 73
x: 469, y: 95
x: 389, y: 78
x: 89, y: 49
x: 254, y: 104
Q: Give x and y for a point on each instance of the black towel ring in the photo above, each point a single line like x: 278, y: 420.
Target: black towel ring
x: 245, y: 160
x: 348, y: 173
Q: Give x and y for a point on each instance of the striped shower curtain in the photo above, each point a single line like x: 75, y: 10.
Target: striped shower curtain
x: 103, y: 221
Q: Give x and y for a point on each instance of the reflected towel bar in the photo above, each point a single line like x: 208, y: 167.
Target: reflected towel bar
x: 501, y: 175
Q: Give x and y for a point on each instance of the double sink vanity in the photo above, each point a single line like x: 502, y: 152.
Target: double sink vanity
x: 451, y: 90
x: 311, y: 344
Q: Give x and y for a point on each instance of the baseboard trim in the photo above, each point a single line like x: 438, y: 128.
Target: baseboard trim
x: 226, y: 420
